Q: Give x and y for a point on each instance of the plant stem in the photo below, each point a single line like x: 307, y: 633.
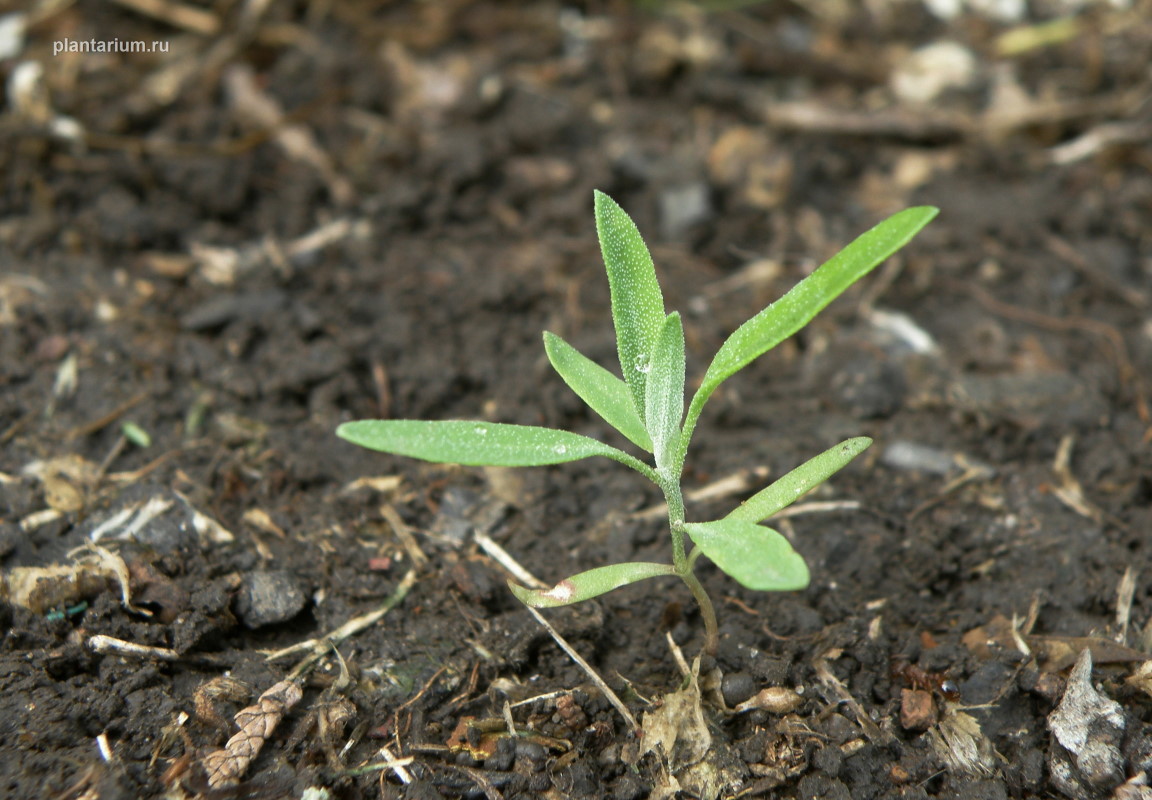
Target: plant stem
x: 675, y: 500
x: 711, y: 629
x: 683, y: 566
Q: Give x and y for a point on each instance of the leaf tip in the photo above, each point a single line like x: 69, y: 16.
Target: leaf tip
x: 523, y: 593
x: 925, y: 213
x: 561, y: 594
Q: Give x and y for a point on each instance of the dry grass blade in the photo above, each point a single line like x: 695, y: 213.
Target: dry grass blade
x: 1125, y: 591
x: 842, y: 695
x: 321, y: 645
x: 501, y: 557
x: 255, y: 107
x: 584, y: 665
x: 180, y: 15
x: 403, y: 533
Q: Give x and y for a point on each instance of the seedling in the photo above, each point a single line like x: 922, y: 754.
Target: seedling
x: 647, y: 407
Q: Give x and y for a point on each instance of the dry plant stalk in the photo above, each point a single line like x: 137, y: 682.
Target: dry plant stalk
x: 226, y: 767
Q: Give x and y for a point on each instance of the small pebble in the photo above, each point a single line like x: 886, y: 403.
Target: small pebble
x: 501, y: 760
x: 917, y: 710
x: 736, y: 687
x: 267, y: 597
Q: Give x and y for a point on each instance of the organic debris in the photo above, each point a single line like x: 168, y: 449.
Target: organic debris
x: 41, y: 589
x: 1087, y: 731
x: 678, y: 734
x: 960, y: 743
x: 257, y: 723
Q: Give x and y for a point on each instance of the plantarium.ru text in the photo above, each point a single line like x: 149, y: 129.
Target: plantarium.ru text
x: 647, y: 407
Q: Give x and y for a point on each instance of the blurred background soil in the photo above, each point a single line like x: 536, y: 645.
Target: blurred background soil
x: 272, y: 217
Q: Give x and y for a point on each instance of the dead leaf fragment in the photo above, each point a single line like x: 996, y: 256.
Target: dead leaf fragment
x: 219, y: 689
x: 1087, y: 730
x: 1054, y: 653
x: 678, y: 734
x: 40, y: 589
x: 784, y: 759
x: 66, y: 481
x: 961, y: 744
x: 1141, y: 678
x: 1135, y: 788
x: 678, y: 728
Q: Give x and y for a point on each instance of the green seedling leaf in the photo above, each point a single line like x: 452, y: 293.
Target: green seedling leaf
x: 586, y: 585
x: 806, y: 299
x: 479, y: 444
x: 788, y: 489
x: 757, y: 557
x: 604, y: 393
x: 664, y: 396
x: 637, y: 303
x: 135, y: 434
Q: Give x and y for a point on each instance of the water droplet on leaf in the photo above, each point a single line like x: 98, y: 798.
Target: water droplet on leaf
x: 480, y: 430
x: 642, y: 363
x: 560, y: 449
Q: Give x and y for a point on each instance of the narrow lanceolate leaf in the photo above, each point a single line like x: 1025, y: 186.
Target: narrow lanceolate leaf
x: 604, y: 393
x: 806, y: 299
x: 788, y: 489
x: 637, y: 304
x: 477, y: 444
x: 664, y: 396
x: 592, y: 583
x: 757, y: 557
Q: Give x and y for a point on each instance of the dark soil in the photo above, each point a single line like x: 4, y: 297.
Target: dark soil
x: 315, y: 212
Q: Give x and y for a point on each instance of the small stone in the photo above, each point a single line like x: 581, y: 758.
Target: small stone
x: 737, y: 687
x: 501, y: 760
x: 530, y: 751
x: 267, y: 597
x: 917, y: 710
